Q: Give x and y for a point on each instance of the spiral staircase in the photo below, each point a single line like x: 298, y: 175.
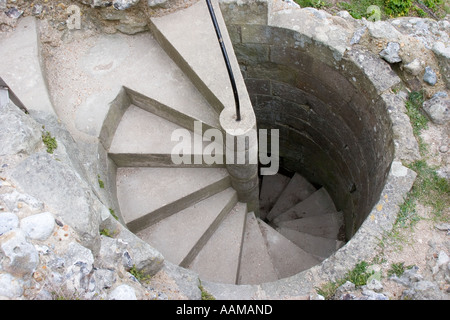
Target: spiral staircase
x: 193, y: 217
x: 191, y: 212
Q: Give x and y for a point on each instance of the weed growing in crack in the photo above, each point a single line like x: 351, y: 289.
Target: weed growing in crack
x: 49, y: 141
x: 359, y: 276
x: 397, y: 269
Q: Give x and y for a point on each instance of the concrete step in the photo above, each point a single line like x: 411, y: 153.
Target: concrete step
x: 144, y: 139
x: 296, y: 191
x: 206, y: 68
x: 325, y: 225
x: 20, y: 65
x: 181, y: 236
x: 255, y: 265
x: 287, y: 258
x: 319, y: 202
x: 148, y: 195
x: 102, y: 66
x: 218, y: 261
x: 271, y: 188
x: 320, y: 247
x: 185, y: 108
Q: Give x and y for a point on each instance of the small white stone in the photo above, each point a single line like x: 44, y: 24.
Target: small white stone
x: 38, y: 226
x: 398, y: 169
x: 122, y: 292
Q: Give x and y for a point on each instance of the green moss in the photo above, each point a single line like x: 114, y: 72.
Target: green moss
x: 101, y: 184
x: 205, y: 294
x: 139, y: 275
x: 113, y: 214
x: 49, y: 141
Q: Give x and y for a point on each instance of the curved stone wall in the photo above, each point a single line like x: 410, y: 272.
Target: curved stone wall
x: 326, y: 102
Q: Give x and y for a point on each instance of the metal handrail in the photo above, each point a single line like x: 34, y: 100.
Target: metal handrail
x: 12, y: 96
x: 225, y: 57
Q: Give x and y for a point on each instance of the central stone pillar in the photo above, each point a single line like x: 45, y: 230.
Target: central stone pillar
x: 241, y: 151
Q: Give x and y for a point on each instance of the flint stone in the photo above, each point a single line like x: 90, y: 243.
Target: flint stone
x: 371, y: 295
x: 139, y: 253
x: 122, y: 292
x: 390, y: 53
x: 145, y: 258
x: 38, y: 226
x: 443, y: 226
x: 14, y: 13
x: 424, y: 290
x: 442, y: 54
x: 414, y: 67
x: 79, y: 263
x: 430, y: 76
x: 23, y: 258
x: 104, y: 278
x: 443, y: 259
x: 383, y: 30
x: 124, y: 4
x: 132, y: 25
x: 113, y: 252
x: 438, y: 108
x: 375, y: 285
x: 19, y: 133
x: 118, y: 4
x: 12, y: 201
x: 157, y: 3
x: 37, y: 9
x: 10, y: 287
x: 76, y: 254
x: 8, y: 221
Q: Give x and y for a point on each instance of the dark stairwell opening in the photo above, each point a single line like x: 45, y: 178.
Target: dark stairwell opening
x: 334, y: 129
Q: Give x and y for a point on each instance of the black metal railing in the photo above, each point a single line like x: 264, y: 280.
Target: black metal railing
x: 225, y: 57
x: 12, y: 96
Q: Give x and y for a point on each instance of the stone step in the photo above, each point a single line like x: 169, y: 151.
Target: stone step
x: 319, y: 202
x: 20, y: 66
x: 271, y: 188
x: 201, y: 57
x: 255, y: 265
x: 325, y: 225
x: 320, y: 247
x: 181, y: 236
x: 296, y: 191
x: 148, y: 195
x: 186, y: 109
x: 218, y: 261
x: 108, y: 64
x: 287, y: 258
x: 144, y: 139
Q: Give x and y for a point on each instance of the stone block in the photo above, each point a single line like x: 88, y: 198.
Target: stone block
x: 292, y: 58
x: 289, y: 93
x: 48, y: 180
x: 243, y: 12
x: 19, y: 133
x: 370, y: 74
x: 258, y: 86
x: 251, y: 54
